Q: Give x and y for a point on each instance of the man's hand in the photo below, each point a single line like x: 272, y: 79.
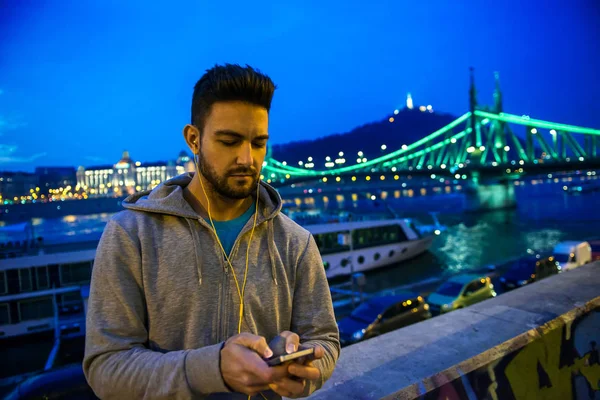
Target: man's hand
x: 243, y: 367
x: 299, y: 370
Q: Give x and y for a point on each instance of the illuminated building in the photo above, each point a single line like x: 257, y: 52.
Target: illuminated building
x: 16, y: 184
x: 127, y: 177
x: 409, y: 101
x: 55, y: 177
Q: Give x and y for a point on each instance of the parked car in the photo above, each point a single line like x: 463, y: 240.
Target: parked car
x: 382, y: 314
x: 460, y: 291
x: 529, y: 269
x: 572, y: 254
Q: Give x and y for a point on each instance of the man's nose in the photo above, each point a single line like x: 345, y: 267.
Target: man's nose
x: 245, y: 155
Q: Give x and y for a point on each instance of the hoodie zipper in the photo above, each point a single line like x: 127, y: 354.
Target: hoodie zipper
x: 223, y: 317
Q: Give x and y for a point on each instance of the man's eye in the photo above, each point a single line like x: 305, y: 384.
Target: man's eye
x: 260, y: 144
x: 228, y: 143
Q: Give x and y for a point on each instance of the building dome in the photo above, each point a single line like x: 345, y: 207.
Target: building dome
x: 125, y: 161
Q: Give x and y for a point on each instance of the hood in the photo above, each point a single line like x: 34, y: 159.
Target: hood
x: 167, y: 198
x: 440, y: 300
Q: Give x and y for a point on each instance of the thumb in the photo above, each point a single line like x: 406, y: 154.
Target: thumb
x: 254, y: 342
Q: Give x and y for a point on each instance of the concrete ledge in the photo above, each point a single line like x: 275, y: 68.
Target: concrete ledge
x: 433, y: 355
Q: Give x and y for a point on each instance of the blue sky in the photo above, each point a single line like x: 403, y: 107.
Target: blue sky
x: 80, y: 81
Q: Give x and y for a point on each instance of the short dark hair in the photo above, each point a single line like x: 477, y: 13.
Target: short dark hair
x: 230, y: 82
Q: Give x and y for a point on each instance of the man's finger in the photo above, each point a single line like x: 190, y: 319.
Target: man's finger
x: 292, y: 341
x: 304, y: 371
x: 288, y: 387
x: 318, y: 353
x: 279, y: 372
x: 254, y: 342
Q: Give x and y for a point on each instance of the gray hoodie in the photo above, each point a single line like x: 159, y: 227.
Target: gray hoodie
x: 162, y: 298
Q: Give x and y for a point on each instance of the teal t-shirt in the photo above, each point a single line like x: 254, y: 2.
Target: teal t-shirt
x: 228, y: 231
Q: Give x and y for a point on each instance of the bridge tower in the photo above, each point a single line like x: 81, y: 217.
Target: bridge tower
x: 475, y: 138
x: 500, y: 137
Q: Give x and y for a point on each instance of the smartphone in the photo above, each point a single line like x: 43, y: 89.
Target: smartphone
x: 289, y: 357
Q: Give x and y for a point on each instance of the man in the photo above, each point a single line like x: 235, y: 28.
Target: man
x: 195, y: 278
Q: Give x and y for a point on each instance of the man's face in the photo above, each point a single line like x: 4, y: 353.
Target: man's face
x: 233, y: 148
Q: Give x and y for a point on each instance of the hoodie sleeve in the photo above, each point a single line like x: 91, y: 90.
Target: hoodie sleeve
x: 312, y: 316
x: 117, y: 363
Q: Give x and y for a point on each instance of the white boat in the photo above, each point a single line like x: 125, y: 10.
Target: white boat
x: 44, y: 292
x: 360, y: 246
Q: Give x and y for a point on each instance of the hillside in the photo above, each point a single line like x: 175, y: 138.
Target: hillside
x: 408, y: 127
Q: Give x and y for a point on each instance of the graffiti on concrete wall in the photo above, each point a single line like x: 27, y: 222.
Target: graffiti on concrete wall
x: 561, y: 363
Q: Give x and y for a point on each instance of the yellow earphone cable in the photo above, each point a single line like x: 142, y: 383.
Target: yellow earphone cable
x: 243, y: 291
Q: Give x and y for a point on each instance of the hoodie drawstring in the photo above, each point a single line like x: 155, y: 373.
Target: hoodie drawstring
x: 270, y: 244
x: 195, y: 240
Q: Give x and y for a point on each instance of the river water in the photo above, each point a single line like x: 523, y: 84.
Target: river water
x: 545, y: 215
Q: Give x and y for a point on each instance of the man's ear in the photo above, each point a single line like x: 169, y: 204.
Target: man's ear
x: 191, y: 134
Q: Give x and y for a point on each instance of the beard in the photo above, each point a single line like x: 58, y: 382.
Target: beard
x: 238, y: 190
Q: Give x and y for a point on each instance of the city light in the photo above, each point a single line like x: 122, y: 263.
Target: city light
x: 368, y: 178
x: 443, y: 166
x: 285, y: 162
x: 300, y: 163
x: 341, y: 154
x: 422, y: 108
x: 404, y: 147
x: 382, y: 177
x: 453, y: 140
x: 327, y: 158
x: 383, y: 147
x: 391, y: 119
x: 470, y: 149
x: 337, y: 179
x: 457, y: 176
x: 353, y: 179
x: 394, y: 169
x: 358, y: 160
x: 396, y: 112
x: 482, y: 148
x: 396, y: 177
x: 360, y: 153
x: 373, y: 197
x: 506, y: 148
x: 310, y: 158
x: 534, y: 131
x: 552, y: 132
x: 324, y: 179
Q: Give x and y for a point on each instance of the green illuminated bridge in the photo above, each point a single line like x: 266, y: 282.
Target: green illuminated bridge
x: 480, y: 144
